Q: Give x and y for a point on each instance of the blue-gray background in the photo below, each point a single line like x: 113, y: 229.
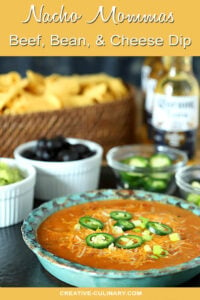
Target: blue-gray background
x: 128, y: 68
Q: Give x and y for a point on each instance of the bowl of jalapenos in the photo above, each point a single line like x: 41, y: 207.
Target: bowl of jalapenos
x: 188, y: 181
x: 146, y: 167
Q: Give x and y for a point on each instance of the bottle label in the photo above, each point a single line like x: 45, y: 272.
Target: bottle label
x: 185, y: 141
x: 175, y: 113
x: 144, y: 76
x: 151, y: 85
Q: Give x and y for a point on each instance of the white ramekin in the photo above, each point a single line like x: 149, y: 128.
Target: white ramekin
x: 57, y: 179
x: 16, y: 199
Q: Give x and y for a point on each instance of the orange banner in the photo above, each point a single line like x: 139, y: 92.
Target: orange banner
x: 97, y: 293
x: 98, y: 28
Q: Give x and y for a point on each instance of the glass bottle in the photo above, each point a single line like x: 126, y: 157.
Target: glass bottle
x: 176, y: 107
x: 167, y: 62
x: 146, y: 70
x: 158, y: 70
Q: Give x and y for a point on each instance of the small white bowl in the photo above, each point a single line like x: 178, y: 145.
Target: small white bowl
x: 57, y: 179
x: 16, y: 199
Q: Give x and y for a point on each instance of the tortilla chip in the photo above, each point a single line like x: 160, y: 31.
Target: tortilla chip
x: 35, y: 83
x: 12, y: 92
x: 9, y: 79
x: 38, y: 93
x: 27, y: 103
x: 62, y: 86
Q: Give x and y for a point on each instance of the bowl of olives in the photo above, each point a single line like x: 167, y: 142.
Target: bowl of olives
x: 63, y: 165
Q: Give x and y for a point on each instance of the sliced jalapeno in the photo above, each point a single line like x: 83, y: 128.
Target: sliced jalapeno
x: 120, y: 215
x: 132, y: 180
x: 99, y: 240
x: 166, y: 176
x: 159, y: 228
x: 129, y: 241
x: 124, y: 224
x: 136, y: 161
x: 160, y: 160
x: 155, y: 185
x: 91, y: 223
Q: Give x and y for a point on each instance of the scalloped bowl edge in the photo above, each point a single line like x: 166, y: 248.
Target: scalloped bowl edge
x: 85, y: 276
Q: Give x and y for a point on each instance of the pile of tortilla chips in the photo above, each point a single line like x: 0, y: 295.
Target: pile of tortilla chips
x: 38, y: 93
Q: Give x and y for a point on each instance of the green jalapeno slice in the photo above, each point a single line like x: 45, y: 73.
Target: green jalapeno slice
x: 129, y: 241
x: 136, y: 161
x: 160, y: 160
x: 155, y: 185
x: 120, y: 215
x: 159, y: 228
x: 99, y: 240
x: 124, y: 224
x: 91, y: 223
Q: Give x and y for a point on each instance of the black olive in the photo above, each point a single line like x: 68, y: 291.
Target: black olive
x: 80, y: 148
x: 41, y: 143
x: 58, y: 149
x: 92, y: 153
x: 60, y: 139
x: 46, y: 156
x: 43, y: 155
x: 88, y: 154
x: 50, y: 144
x: 29, y: 154
x: 56, y: 143
x: 67, y: 145
x: 38, y: 154
x: 67, y: 155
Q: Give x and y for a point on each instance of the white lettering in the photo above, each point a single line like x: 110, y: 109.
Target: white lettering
x: 175, y: 40
x: 15, y: 40
x: 45, y: 17
x: 56, y: 40
x: 120, y: 17
x: 122, y: 40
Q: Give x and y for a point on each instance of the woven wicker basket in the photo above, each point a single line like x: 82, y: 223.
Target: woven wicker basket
x: 108, y: 124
